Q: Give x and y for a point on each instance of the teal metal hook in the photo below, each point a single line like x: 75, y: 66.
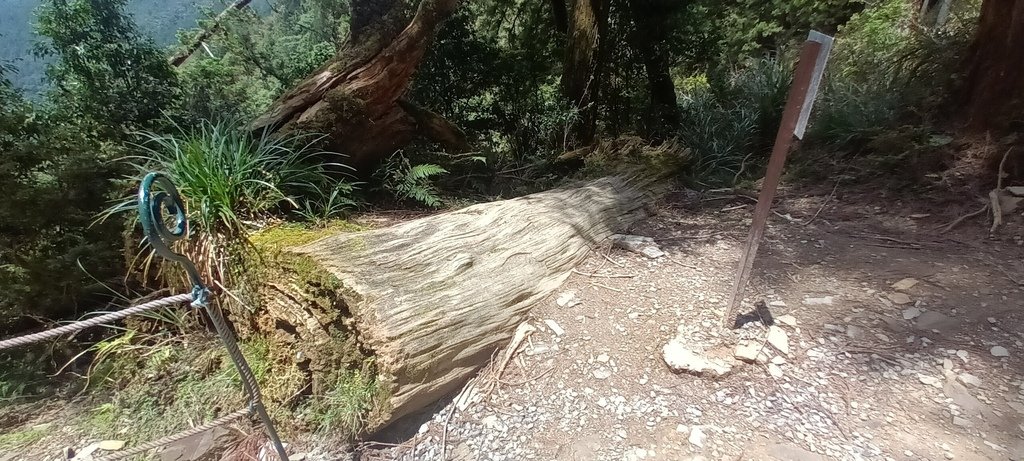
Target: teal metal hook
x: 152, y: 207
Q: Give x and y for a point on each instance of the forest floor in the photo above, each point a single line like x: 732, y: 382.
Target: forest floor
x: 896, y: 337
x: 876, y: 369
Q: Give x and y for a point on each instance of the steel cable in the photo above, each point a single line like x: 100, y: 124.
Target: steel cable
x: 100, y: 319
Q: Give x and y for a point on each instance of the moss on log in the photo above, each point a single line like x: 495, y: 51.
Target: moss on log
x: 421, y: 306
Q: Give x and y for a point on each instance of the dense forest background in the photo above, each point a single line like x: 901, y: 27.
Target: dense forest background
x: 159, y: 20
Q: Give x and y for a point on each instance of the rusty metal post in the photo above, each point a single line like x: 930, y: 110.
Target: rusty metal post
x: 808, y: 72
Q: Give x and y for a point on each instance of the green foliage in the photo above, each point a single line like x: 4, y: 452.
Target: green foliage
x: 887, y: 70
x: 730, y: 122
x: 55, y: 177
x: 287, y: 44
x: 219, y: 88
x: 345, y: 406
x: 405, y: 181
x: 229, y: 177
x: 105, y: 70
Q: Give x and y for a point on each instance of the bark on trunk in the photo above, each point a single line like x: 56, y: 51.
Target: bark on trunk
x: 429, y: 301
x: 993, y: 91
x: 355, y: 97
x: 584, y: 66
x: 652, y: 31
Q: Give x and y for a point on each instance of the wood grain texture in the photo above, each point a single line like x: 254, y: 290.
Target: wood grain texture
x: 433, y: 298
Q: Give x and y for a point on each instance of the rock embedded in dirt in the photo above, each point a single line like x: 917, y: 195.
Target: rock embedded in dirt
x: 750, y: 352
x: 905, y: 284
x: 680, y: 359
x: 823, y: 301
x: 567, y: 299
x: 637, y: 244
x: 775, y: 370
x: 786, y: 320
x: 911, y: 313
x: 777, y: 303
x: 111, y: 445
x: 999, y: 351
x: 555, y: 327
x: 778, y: 338
x: 899, y: 298
x: 931, y: 320
x: 697, y: 437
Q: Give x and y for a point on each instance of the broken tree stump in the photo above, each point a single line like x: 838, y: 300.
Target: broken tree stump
x: 427, y: 302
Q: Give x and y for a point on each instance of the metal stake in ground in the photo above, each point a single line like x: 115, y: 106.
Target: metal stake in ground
x: 807, y: 77
x: 152, y: 207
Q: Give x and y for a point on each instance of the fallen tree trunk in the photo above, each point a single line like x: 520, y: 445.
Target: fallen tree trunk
x: 427, y: 302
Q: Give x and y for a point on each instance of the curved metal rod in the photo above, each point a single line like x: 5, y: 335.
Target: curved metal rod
x: 151, y: 213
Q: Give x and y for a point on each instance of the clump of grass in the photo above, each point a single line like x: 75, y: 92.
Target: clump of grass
x: 19, y: 439
x: 346, y: 406
x: 232, y: 179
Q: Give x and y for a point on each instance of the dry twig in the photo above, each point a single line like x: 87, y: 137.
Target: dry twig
x: 957, y: 221
x: 822, y: 207
x: 607, y: 276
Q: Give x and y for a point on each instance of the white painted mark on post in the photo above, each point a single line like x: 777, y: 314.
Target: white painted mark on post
x: 812, y: 90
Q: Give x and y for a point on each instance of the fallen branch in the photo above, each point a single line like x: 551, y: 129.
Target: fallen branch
x: 822, y: 207
x: 957, y: 221
x: 607, y: 276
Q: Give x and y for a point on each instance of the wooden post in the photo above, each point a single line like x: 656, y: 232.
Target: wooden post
x: 807, y: 74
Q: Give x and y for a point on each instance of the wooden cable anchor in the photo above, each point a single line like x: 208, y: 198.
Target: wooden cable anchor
x: 807, y: 78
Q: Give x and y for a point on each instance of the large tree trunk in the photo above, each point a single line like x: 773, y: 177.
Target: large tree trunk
x: 428, y: 302
x: 354, y: 98
x: 652, y: 19
x: 993, y: 92
x: 584, y: 65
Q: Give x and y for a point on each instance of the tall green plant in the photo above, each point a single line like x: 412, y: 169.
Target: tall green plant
x: 232, y: 179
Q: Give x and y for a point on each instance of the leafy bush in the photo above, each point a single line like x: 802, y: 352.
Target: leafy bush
x: 231, y: 179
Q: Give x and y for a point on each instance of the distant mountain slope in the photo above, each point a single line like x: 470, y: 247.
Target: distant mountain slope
x: 160, y: 19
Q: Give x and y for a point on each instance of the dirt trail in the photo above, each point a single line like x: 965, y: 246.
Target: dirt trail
x: 861, y: 380
x: 873, y: 371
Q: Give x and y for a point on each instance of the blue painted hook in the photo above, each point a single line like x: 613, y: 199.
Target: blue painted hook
x: 151, y: 213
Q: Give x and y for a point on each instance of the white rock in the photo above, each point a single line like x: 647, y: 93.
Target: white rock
x: 823, y: 301
x: 911, y: 313
x: 111, y: 445
x: 962, y: 354
x: 899, y: 298
x: 603, y: 358
x: 778, y: 338
x: 930, y: 381
x: 554, y: 326
x: 992, y: 320
x: 697, y: 437
x: 652, y: 252
x: 602, y: 373
x: 749, y: 351
x: 969, y: 379
x: 786, y: 320
x: 775, y: 370
x: 682, y: 429
x: 1000, y: 351
x: 904, y: 284
x: 680, y: 359
x: 777, y: 303
x: 567, y: 299
x: 778, y: 360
